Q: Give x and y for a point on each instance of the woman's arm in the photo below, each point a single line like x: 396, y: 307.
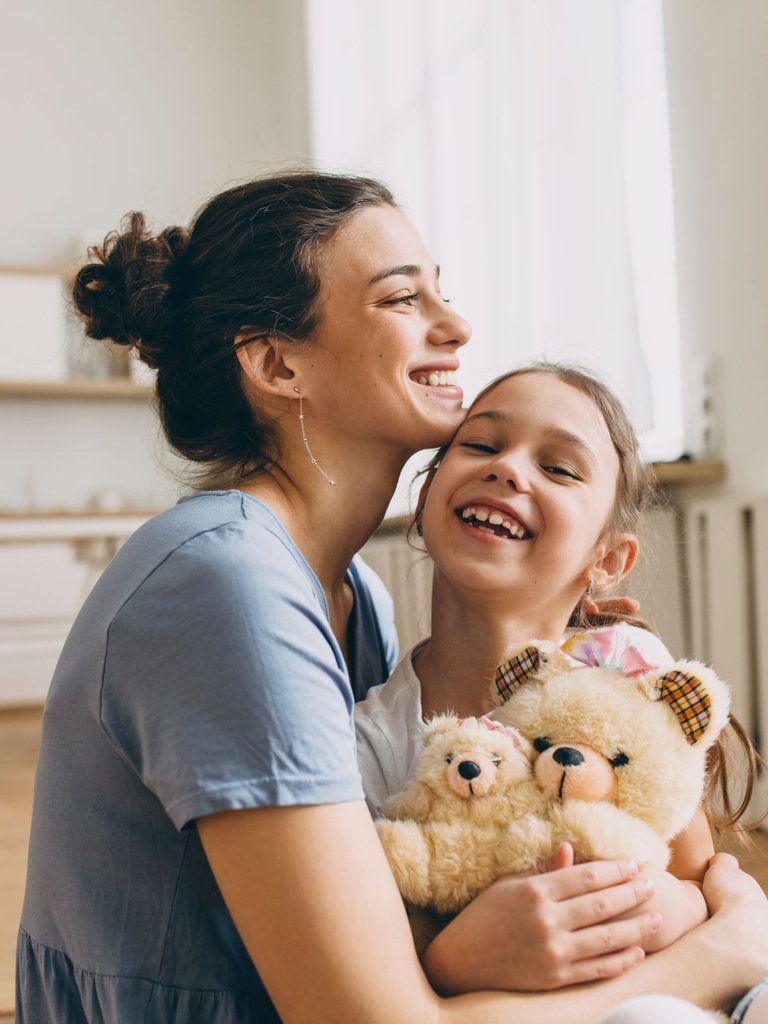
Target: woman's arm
x: 312, y: 896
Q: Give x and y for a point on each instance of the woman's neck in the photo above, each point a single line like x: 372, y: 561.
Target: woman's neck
x: 471, y: 635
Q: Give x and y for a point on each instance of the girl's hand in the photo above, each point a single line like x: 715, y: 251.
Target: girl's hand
x: 545, y: 931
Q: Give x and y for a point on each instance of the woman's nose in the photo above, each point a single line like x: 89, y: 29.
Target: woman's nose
x: 448, y: 327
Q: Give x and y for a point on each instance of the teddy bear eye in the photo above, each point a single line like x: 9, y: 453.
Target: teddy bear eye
x: 495, y: 759
x: 619, y: 760
x: 448, y: 758
x: 541, y: 744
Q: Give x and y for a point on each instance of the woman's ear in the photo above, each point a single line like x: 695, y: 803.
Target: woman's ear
x: 616, y: 558
x: 262, y: 360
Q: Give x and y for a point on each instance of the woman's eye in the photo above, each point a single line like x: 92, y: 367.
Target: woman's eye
x: 402, y: 300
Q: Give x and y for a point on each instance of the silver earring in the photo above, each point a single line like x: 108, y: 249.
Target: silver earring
x: 591, y: 588
x: 306, y: 442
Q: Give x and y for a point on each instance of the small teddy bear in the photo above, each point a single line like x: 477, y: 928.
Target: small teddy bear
x: 471, y: 812
x: 621, y: 745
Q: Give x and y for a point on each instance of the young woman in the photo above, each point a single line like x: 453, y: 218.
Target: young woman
x: 526, y: 514
x: 201, y: 849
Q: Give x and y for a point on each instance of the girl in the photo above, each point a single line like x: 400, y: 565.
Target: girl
x: 526, y: 514
x: 200, y: 848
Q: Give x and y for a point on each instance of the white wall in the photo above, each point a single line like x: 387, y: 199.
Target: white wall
x: 718, y: 87
x: 109, y: 107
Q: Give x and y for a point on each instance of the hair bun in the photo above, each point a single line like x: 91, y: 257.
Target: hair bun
x: 123, y: 293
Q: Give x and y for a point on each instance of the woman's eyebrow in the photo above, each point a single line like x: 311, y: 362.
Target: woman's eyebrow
x: 405, y: 270
x: 555, y: 433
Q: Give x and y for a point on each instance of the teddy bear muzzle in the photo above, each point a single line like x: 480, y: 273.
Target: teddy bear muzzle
x: 567, y: 771
x: 471, y: 773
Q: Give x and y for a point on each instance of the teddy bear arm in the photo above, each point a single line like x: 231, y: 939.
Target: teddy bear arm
x: 600, y: 831
x: 408, y: 854
x: 525, y: 845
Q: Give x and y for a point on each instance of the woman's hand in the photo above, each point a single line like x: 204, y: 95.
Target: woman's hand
x: 622, y: 605
x: 739, y: 918
x: 546, y: 931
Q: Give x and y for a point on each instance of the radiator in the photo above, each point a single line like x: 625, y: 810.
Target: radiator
x: 407, y: 574
x: 725, y: 543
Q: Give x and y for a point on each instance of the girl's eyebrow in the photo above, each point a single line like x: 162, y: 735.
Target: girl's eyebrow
x: 405, y: 270
x: 556, y: 433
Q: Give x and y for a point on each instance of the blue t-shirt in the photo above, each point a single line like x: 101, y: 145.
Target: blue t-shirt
x: 202, y: 675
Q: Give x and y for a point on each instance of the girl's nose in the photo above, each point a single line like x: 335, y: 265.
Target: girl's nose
x: 510, y: 471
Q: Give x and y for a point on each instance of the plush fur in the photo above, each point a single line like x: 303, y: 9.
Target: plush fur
x: 613, y: 762
x: 471, y: 812
x: 621, y: 757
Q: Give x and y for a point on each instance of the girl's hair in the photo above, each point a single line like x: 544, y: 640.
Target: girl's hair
x: 249, y: 266
x: 733, y: 754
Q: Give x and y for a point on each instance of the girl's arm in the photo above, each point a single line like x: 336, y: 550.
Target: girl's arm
x: 314, y: 901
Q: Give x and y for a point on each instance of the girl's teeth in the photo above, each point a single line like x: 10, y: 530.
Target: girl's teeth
x: 495, y: 519
x: 434, y: 380
x: 481, y: 515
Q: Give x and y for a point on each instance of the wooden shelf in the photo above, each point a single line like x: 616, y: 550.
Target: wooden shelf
x: 115, y: 387
x: 689, y: 473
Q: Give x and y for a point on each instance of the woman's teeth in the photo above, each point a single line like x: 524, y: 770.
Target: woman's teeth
x: 438, y: 378
x: 482, y: 515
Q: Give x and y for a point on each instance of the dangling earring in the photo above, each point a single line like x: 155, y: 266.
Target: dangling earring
x: 306, y: 442
x: 591, y: 588
x: 419, y: 530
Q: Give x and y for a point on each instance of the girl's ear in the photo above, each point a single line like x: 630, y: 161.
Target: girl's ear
x: 616, y: 558
x: 262, y: 360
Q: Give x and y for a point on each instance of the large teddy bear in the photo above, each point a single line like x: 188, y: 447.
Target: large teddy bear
x: 608, y: 756
x: 621, y: 744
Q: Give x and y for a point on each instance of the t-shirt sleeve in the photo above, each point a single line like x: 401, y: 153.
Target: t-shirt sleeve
x: 223, y: 686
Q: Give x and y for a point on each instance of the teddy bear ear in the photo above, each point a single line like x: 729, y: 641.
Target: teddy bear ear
x: 511, y: 675
x: 700, y: 701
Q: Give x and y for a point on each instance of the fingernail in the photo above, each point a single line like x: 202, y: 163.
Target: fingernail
x: 655, y: 922
x: 648, y: 887
x: 630, y: 867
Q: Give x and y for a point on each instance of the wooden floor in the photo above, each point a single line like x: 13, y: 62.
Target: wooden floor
x: 19, y: 742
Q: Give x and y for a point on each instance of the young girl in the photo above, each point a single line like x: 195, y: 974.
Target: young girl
x: 526, y: 514
x: 200, y: 847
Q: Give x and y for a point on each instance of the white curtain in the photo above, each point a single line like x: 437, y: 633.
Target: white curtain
x: 528, y: 139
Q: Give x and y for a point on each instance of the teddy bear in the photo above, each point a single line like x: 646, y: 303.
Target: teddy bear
x: 620, y: 745
x: 607, y: 753
x: 471, y: 812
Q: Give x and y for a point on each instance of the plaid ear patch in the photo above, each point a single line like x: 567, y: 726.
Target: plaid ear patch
x: 511, y: 675
x: 690, y: 701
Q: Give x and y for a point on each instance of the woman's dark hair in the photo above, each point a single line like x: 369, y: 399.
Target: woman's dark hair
x: 247, y: 267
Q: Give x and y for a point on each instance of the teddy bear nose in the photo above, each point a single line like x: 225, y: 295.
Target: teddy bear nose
x: 568, y: 757
x: 469, y: 770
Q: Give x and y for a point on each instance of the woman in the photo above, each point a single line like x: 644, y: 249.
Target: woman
x: 200, y: 847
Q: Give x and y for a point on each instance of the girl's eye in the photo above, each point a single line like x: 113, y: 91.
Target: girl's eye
x: 477, y: 446
x: 402, y: 300
x: 561, y: 471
